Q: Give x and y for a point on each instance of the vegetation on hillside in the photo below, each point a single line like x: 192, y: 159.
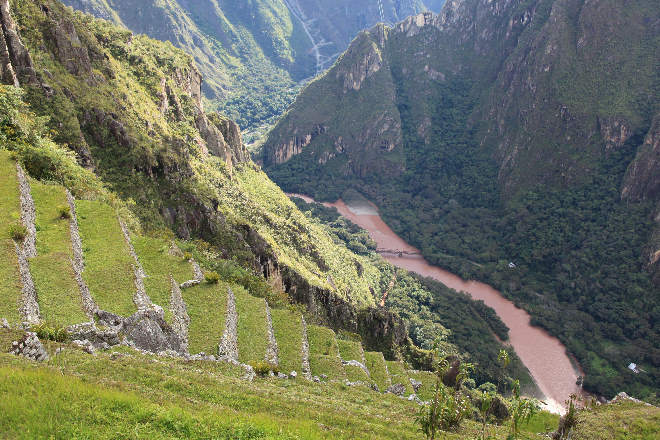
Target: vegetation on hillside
x: 557, y: 215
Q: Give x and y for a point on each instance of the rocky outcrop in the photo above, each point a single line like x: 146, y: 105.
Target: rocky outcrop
x: 146, y: 330
x: 222, y: 138
x: 365, y: 64
x: 20, y: 61
x: 149, y: 331
x: 380, y: 330
x: 642, y: 180
x: 78, y: 261
x: 398, y: 389
x: 228, y: 347
x: 70, y: 51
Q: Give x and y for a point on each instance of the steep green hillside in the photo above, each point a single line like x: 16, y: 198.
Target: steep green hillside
x: 182, y: 169
x: 491, y: 134
x: 253, y: 54
x: 161, y: 182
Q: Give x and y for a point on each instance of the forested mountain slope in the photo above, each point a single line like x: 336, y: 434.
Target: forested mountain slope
x: 507, y: 131
x: 253, y: 53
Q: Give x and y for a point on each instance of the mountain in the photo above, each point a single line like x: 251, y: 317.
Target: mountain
x: 253, y: 54
x: 497, y: 132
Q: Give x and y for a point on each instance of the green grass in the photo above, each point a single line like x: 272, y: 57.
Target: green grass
x: 288, y: 332
x: 207, y: 306
x: 159, y: 265
x: 355, y: 374
x: 58, y: 293
x: 75, y: 395
x: 428, y: 379
x: 136, y: 398
x: 108, y: 263
x: 350, y: 350
x: 398, y: 374
x: 10, y: 285
x: 623, y: 421
x: 378, y: 369
x: 252, y: 329
x: 324, y: 353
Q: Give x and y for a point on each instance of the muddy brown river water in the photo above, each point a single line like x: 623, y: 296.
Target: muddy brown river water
x: 543, y: 355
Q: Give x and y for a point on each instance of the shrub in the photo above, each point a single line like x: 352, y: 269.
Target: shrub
x: 17, y: 232
x: 64, y: 211
x: 44, y: 332
x: 263, y: 368
x: 187, y: 256
x: 212, y: 277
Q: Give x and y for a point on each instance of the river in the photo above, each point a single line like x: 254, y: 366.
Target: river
x: 544, y: 355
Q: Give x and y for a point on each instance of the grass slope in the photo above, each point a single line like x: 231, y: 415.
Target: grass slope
x: 159, y: 265
x: 378, y: 369
x: 428, y: 379
x: 252, y: 330
x: 130, y: 395
x: 10, y: 286
x: 622, y: 421
x: 207, y: 307
x: 288, y: 332
x: 108, y: 263
x: 324, y: 353
x: 399, y: 374
x: 59, y: 297
x: 350, y: 350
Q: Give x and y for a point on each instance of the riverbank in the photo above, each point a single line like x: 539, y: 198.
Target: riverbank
x: 544, y: 355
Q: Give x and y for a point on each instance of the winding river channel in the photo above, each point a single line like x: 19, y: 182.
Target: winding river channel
x: 543, y: 355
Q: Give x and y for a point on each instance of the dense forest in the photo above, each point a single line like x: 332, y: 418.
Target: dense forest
x: 576, y: 250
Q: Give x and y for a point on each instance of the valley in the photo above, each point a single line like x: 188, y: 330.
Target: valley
x: 485, y: 242
x: 544, y: 356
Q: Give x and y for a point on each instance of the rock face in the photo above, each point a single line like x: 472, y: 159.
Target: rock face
x: 16, y: 61
x: 642, y: 181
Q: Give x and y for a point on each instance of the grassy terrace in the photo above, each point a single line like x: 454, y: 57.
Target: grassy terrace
x: 378, y: 369
x: 58, y: 293
x: 622, y: 421
x: 159, y: 265
x: 75, y: 395
x: 207, y: 307
x: 10, y: 285
x: 108, y: 263
x: 428, y: 380
x: 324, y: 353
x: 398, y: 374
x: 252, y: 329
x: 288, y: 332
x: 351, y: 350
